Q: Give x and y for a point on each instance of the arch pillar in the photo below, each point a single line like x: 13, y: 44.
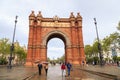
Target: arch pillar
x: 43, y: 54
x: 68, y: 54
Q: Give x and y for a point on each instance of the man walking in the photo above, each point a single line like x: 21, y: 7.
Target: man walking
x: 69, y: 66
x: 39, y: 68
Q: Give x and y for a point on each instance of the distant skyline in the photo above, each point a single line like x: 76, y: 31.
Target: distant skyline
x: 106, y: 12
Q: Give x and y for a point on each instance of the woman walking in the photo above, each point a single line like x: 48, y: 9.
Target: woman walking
x: 63, y: 68
x: 46, y: 68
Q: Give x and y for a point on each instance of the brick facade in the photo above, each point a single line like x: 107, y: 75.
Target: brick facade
x: 41, y: 30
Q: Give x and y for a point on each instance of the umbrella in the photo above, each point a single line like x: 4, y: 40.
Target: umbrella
x: 45, y: 62
x: 37, y: 61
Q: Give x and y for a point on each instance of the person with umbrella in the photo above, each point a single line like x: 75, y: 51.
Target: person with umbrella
x: 46, y: 68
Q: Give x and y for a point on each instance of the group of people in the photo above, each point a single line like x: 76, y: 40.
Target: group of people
x: 64, y: 66
x: 40, y: 68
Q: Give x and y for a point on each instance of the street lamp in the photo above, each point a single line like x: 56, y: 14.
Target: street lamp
x: 99, y: 45
x: 12, y: 46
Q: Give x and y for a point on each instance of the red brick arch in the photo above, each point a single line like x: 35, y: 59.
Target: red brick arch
x: 57, y: 34
x: 41, y: 30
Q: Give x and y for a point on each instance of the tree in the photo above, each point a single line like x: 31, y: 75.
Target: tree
x: 118, y: 27
x: 106, y: 45
x: 62, y: 58
x: 20, y: 53
x: 4, y: 47
x: 95, y: 48
x: 88, y: 50
x: 112, y: 39
x: 115, y: 39
x: 4, y: 50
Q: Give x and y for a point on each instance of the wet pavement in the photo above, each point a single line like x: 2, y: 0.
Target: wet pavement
x: 16, y: 73
x: 54, y: 73
x: 113, y: 71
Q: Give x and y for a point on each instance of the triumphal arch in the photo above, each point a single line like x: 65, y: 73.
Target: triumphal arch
x: 42, y: 29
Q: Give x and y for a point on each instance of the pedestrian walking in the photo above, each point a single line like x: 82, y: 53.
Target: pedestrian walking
x: 46, y: 68
x: 63, y: 69
x: 39, y: 68
x: 69, y: 66
x: 118, y: 63
x: 83, y: 63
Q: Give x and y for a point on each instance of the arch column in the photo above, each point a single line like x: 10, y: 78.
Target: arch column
x: 43, y: 54
x: 68, y: 54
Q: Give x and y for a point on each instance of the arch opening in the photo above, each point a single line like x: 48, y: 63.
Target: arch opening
x: 57, y: 46
x: 56, y: 50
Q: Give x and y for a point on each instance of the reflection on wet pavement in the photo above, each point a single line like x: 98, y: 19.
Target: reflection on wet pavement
x: 54, y: 73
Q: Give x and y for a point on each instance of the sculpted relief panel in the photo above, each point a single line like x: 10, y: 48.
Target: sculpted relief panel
x: 55, y: 24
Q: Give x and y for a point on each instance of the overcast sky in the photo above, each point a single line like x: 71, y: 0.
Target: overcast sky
x: 107, y: 13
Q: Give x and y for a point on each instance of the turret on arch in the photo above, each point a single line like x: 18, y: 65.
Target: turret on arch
x: 41, y: 30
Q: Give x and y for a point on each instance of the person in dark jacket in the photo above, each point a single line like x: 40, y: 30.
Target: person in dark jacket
x: 39, y: 68
x: 69, y: 66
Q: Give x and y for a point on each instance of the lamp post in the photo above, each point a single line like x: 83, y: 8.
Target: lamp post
x: 99, y: 45
x: 12, y: 46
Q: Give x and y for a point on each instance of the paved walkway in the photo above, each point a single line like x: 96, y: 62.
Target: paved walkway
x: 30, y: 73
x: 78, y: 73
x: 54, y: 73
x: 110, y: 70
x: 16, y: 73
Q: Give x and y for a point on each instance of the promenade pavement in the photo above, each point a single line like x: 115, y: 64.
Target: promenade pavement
x: 81, y: 73
x: 31, y: 73
x: 105, y: 70
x: 17, y: 73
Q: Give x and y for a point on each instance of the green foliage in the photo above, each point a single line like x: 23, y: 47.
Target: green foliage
x: 92, y: 59
x: 118, y: 58
x: 4, y: 46
x: 106, y: 44
x: 5, y: 51
x: 21, y: 54
x: 115, y: 58
x: 3, y: 60
x: 89, y: 60
x: 114, y: 36
x: 96, y: 59
x: 88, y: 50
x: 61, y: 59
x: 95, y: 48
x: 118, y: 27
